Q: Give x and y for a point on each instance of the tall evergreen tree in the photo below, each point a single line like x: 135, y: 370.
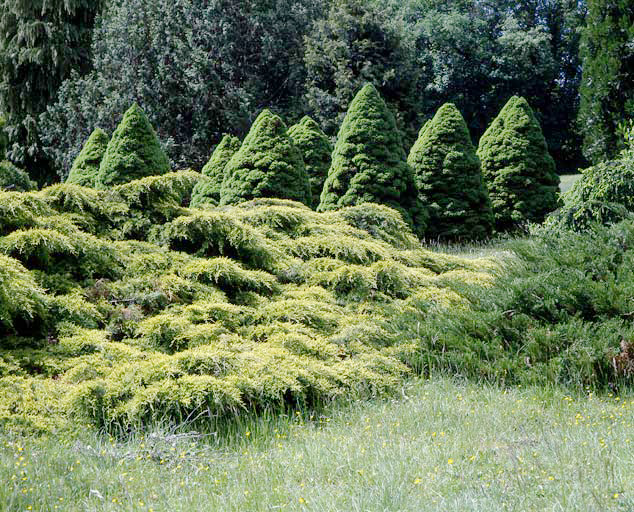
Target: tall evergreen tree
x: 316, y: 151
x: 368, y: 162
x: 41, y: 42
x: 208, y: 191
x: 449, y: 179
x: 86, y: 166
x: 267, y: 165
x: 607, y: 87
x: 133, y: 152
x: 518, y: 170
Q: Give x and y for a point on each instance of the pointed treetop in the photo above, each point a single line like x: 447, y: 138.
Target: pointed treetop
x: 208, y: 191
x: 133, y: 152
x: 449, y: 178
x: 316, y: 151
x: 86, y: 165
x: 368, y: 162
x: 268, y: 164
x: 518, y: 170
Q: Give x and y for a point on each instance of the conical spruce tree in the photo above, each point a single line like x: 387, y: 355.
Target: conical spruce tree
x: 518, y: 170
x: 316, y: 151
x: 86, y: 166
x: 267, y: 165
x: 208, y: 191
x: 133, y: 152
x: 368, y: 162
x: 449, y: 179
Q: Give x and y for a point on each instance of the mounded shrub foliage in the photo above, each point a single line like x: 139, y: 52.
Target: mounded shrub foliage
x: 518, y: 170
x: 122, y: 306
x: 449, y: 179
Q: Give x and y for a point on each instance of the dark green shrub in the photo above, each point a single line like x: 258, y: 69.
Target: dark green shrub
x: 208, y: 191
x: 368, y: 162
x: 14, y: 179
x: 449, y: 179
x: 604, y: 194
x: 316, y: 151
x: 133, y: 152
x: 86, y: 166
x: 518, y: 170
x: 267, y: 165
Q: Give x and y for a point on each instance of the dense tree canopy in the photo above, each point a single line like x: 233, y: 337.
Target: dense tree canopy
x: 607, y: 90
x: 368, y: 162
x: 41, y: 43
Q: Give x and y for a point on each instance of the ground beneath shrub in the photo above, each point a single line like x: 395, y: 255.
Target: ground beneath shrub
x: 441, y: 445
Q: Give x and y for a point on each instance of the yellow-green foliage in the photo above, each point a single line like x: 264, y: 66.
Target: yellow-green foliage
x: 124, y: 306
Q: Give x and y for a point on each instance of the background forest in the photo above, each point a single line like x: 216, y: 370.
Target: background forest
x: 203, y: 68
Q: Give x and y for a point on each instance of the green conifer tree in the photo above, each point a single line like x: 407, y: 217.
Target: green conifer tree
x: 607, y: 86
x: 86, y: 166
x: 368, y: 162
x: 316, y: 151
x: 518, y: 170
x: 449, y: 179
x: 208, y: 191
x: 267, y: 165
x: 133, y: 152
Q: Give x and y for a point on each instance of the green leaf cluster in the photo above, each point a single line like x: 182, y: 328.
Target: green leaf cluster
x: 12, y: 178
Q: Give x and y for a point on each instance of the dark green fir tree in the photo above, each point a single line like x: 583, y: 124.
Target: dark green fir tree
x: 449, y: 179
x: 86, y: 166
x: 208, y: 191
x: 267, y: 165
x: 133, y: 152
x: 607, y: 85
x: 316, y: 151
x: 518, y: 170
x: 368, y: 162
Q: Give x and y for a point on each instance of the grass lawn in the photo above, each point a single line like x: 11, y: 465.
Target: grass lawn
x: 567, y: 181
x: 441, y: 445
